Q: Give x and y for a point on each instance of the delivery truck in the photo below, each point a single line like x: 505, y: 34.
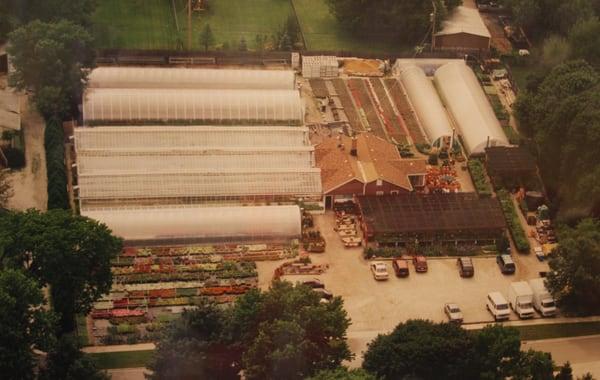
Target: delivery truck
x: 520, y: 299
x: 542, y: 299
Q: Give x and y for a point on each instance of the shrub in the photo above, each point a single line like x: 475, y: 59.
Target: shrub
x: 478, y: 174
x: 512, y: 220
x: 55, y: 165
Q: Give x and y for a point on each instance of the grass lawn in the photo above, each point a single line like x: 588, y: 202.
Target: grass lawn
x: 230, y: 20
x: 558, y: 330
x: 322, y: 32
x: 520, y: 74
x: 135, y: 24
x: 126, y: 359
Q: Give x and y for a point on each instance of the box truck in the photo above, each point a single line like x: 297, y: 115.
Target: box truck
x: 520, y: 299
x: 542, y: 299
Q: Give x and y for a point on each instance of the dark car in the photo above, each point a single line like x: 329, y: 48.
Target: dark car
x: 400, y: 267
x: 314, y: 283
x: 420, y: 263
x: 323, y: 293
x: 506, y: 264
x: 465, y: 267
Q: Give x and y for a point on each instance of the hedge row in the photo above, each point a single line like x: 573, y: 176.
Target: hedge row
x: 512, y: 219
x: 478, y: 174
x: 55, y: 165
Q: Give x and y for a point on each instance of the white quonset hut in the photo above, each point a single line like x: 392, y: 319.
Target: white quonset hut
x: 160, y: 77
x: 192, y: 106
x: 173, y: 223
x: 428, y: 107
x: 468, y: 105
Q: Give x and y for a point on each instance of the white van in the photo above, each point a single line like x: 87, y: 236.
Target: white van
x: 497, y: 305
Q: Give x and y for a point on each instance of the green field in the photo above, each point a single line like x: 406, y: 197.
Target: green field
x: 558, y: 330
x: 135, y: 24
x: 127, y: 359
x: 322, y: 31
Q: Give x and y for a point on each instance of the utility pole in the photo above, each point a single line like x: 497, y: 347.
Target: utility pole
x: 432, y: 18
x: 189, y: 26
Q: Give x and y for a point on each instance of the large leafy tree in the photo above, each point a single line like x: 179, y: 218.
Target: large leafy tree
x: 48, y: 59
x: 70, y: 253
x: 562, y: 114
x: 583, y: 38
x: 343, y: 373
x: 574, y: 279
x: 24, y: 324
x: 496, y: 352
x: 66, y: 362
x: 285, y: 332
x: 405, y: 20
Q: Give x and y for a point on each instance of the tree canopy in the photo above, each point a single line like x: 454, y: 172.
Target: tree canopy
x: 48, y: 59
x: 561, y: 111
x: 285, y: 332
x: 574, y: 279
x: 23, y: 324
x: 406, y: 21
x: 66, y: 362
x: 69, y: 253
x: 427, y: 350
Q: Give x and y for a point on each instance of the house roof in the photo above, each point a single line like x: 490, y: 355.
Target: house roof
x: 375, y: 159
x: 10, y: 114
x: 464, y: 20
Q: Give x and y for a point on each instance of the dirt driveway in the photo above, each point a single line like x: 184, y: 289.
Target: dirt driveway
x: 377, y: 307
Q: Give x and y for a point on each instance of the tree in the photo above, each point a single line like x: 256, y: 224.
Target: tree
x: 207, y: 38
x: 565, y: 373
x: 70, y: 253
x: 24, y: 324
x: 420, y: 349
x: 343, y: 373
x: 65, y: 361
x: 496, y: 352
x: 555, y: 50
x: 574, y: 279
x: 534, y: 365
x: 6, y: 191
x: 562, y: 127
x: 285, y: 332
x: 406, y: 21
x: 58, y: 198
x: 48, y: 59
x: 583, y: 39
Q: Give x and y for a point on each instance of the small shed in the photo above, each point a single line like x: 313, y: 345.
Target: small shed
x: 321, y: 66
x: 464, y: 30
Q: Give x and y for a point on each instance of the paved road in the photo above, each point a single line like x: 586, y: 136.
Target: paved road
x: 583, y: 352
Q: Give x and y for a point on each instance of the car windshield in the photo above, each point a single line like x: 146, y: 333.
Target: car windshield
x: 502, y: 307
x: 509, y: 265
x: 380, y: 269
x: 454, y: 309
x: 526, y: 305
x: 548, y: 304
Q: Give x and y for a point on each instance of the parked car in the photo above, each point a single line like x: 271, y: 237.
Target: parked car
x: 326, y: 295
x: 379, y: 270
x: 506, y: 264
x: 400, y: 267
x: 314, y: 283
x: 497, y: 305
x: 520, y: 299
x: 465, y: 267
x: 420, y: 263
x: 453, y: 312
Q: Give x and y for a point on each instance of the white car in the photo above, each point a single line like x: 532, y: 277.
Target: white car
x: 453, y: 312
x: 379, y: 270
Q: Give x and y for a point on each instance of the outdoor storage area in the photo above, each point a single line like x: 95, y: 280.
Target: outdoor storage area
x: 418, y: 218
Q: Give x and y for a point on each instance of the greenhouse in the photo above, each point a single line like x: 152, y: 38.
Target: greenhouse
x: 428, y: 107
x: 469, y: 107
x: 157, y: 137
x: 186, y: 159
x: 155, y: 224
x: 200, y: 184
x: 160, y: 77
x: 192, y: 106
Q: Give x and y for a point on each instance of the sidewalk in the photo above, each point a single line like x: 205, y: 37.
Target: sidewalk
x: 119, y: 348
x: 535, y: 321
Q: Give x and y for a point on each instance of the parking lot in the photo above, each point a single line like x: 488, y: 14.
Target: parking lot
x: 377, y: 307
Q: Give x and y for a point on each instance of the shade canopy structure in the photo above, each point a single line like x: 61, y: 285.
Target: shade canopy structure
x: 181, y: 137
x: 181, y: 78
x: 210, y: 183
x: 191, y: 106
x: 427, y: 104
x: 470, y: 108
x: 196, y: 223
